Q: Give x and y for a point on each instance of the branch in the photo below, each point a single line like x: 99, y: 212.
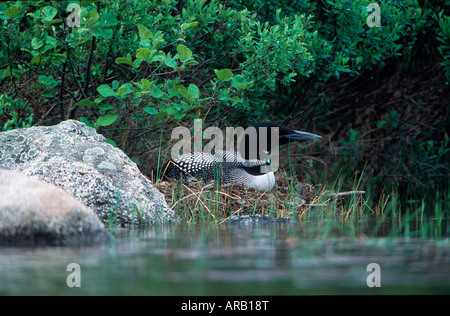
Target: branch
x: 91, y: 54
x: 348, y: 193
x: 88, y: 68
x: 74, y: 72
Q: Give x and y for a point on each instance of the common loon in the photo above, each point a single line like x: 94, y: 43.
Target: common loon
x: 238, y: 167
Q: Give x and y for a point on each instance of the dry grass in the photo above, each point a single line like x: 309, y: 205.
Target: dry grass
x: 198, y: 201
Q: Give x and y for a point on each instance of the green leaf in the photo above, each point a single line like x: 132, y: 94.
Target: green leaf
x: 86, y: 121
x: 172, y: 63
x: 42, y: 79
x: 143, y: 53
x: 158, y: 57
x: 223, y: 74
x: 193, y: 90
x: 108, y: 20
x: 158, y: 94
x: 381, y: 123
x: 124, y: 89
x: 54, y: 21
x: 184, y: 52
x: 49, y: 81
x: 123, y: 60
x: 36, y: 43
x: 121, y: 90
x: 92, y: 17
x: 99, y: 99
x: 187, y: 26
x: 144, y: 32
x: 179, y: 116
x: 51, y: 41
x: 137, y: 62
x: 105, y: 107
x: 183, y: 91
x: 12, y: 11
x: 106, y: 120
x: 240, y: 83
x: 151, y: 111
x: 105, y: 90
x: 110, y: 141
x: 191, y: 63
x: 146, y: 84
x: 103, y: 32
x: 85, y: 102
x: 7, y: 72
x: 49, y: 13
x: 148, y: 43
x: 36, y: 60
x: 37, y: 86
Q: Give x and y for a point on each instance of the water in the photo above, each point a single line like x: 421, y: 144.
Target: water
x: 273, y: 259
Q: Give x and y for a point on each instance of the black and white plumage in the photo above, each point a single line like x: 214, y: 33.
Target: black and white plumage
x: 231, y: 168
x: 235, y: 167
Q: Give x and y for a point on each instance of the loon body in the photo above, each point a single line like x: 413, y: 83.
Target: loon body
x: 235, y: 167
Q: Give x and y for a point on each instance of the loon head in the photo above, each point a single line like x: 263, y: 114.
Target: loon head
x: 285, y: 135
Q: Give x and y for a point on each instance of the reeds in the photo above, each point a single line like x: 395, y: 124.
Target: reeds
x: 198, y: 202
x: 327, y: 206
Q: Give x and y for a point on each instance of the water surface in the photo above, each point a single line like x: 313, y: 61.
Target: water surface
x: 262, y: 259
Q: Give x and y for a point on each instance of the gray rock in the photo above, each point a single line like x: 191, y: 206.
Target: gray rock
x: 35, y: 212
x: 256, y: 219
x: 74, y: 157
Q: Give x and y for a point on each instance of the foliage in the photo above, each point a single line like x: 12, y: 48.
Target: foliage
x: 134, y: 67
x: 128, y: 56
x: 17, y: 113
x: 444, y: 37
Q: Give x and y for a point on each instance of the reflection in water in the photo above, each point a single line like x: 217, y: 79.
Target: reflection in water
x: 273, y: 259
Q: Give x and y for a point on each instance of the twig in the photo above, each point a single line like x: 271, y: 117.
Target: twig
x: 74, y: 72
x: 347, y: 193
x: 304, y: 212
x: 9, y: 50
x: 88, y: 68
x: 199, y: 200
x: 188, y: 196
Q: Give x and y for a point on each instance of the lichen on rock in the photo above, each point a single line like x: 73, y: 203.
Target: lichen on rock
x: 74, y: 157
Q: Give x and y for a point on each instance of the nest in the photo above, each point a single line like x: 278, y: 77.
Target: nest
x: 198, y: 200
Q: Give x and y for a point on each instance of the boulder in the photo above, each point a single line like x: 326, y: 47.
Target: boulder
x: 77, y: 159
x: 256, y: 219
x: 35, y: 212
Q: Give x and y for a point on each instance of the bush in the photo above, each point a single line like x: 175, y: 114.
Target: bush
x: 135, y: 67
x: 443, y: 36
x: 152, y: 60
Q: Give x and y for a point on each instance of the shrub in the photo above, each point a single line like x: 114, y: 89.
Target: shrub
x: 135, y: 67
